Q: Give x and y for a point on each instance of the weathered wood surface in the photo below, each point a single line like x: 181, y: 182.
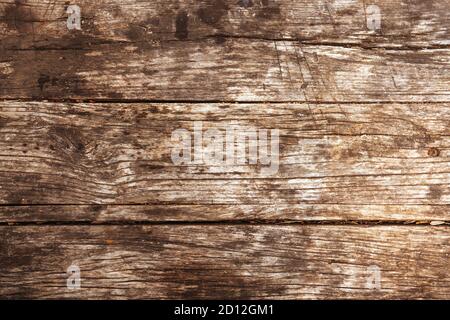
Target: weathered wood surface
x: 234, y: 70
x: 306, y: 213
x: 42, y: 24
x: 336, y: 161
x: 233, y: 262
x: 364, y: 123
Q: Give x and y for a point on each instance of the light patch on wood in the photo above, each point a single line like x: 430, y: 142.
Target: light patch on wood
x: 6, y: 68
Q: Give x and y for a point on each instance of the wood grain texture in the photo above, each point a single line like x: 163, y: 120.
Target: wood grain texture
x: 234, y: 70
x: 87, y: 178
x: 40, y: 24
x: 233, y: 262
x: 336, y: 161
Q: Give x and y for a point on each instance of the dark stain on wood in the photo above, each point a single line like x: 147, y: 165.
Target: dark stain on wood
x: 436, y: 192
x: 42, y: 81
x: 269, y: 10
x: 245, y: 3
x: 3, y: 122
x: 212, y: 11
x: 181, y: 24
x: 19, y: 16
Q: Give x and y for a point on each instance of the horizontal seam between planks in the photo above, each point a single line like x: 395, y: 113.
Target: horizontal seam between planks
x: 300, y: 41
x: 209, y: 101
x: 249, y: 222
x: 202, y: 205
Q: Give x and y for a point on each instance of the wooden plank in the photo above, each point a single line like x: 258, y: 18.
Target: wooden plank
x: 336, y: 161
x: 236, y: 70
x: 413, y: 23
x: 232, y: 262
x: 317, y: 213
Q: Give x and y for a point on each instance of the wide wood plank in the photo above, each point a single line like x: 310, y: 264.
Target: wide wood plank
x: 336, y: 161
x: 234, y: 70
x: 232, y: 262
x: 43, y: 24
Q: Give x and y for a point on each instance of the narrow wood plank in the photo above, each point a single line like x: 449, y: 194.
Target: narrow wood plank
x: 336, y: 161
x: 236, y: 70
x: 232, y: 262
x: 40, y: 24
x: 316, y: 213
